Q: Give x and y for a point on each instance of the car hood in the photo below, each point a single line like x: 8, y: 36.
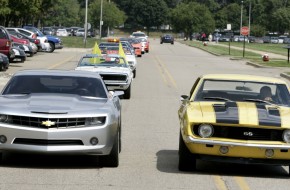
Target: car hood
x: 239, y: 113
x: 51, y: 104
x: 116, y: 70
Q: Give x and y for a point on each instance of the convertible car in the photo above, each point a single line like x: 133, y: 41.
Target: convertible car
x: 114, y: 70
x: 60, y: 112
x: 235, y: 118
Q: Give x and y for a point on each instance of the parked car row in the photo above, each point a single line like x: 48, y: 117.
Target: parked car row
x: 17, y: 43
x: 67, y: 31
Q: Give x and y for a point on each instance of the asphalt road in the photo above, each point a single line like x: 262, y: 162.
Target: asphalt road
x: 150, y: 132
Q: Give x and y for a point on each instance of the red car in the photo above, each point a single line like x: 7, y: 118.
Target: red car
x: 19, y: 40
x: 5, y: 43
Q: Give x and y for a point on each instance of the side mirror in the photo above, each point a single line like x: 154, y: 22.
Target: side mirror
x: 116, y: 93
x: 184, y: 97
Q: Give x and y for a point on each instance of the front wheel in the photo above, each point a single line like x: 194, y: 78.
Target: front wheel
x: 51, y: 48
x: 187, y: 160
x: 127, y: 93
x: 134, y: 73
x: 112, y: 160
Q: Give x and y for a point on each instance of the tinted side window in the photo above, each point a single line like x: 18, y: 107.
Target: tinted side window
x: 3, y: 34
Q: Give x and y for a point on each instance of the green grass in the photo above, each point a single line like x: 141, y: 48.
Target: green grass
x: 78, y: 42
x: 221, y: 50
x: 270, y: 48
x: 238, y: 54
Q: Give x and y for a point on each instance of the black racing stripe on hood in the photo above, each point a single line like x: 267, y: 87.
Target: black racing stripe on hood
x: 268, y: 117
x: 227, y: 113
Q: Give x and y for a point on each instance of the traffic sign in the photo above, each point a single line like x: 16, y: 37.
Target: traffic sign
x: 245, y: 31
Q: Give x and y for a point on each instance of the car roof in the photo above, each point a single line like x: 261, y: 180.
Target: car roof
x: 43, y: 72
x: 243, y: 77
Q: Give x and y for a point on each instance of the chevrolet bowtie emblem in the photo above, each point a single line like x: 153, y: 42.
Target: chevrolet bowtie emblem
x: 48, y: 123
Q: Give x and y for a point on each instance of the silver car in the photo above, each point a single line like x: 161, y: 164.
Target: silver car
x: 60, y: 112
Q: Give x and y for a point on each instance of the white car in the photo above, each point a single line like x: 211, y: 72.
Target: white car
x: 138, y: 34
x: 143, y: 43
x: 114, y: 70
x: 62, y: 32
x: 80, y: 32
x: 131, y: 59
x: 45, y: 46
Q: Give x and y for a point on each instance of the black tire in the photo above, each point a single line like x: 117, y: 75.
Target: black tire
x: 187, y: 160
x: 172, y: 43
x: 112, y: 160
x: 2, y: 67
x: 134, y: 73
x: 52, y: 47
x: 147, y: 51
x: 127, y: 93
x: 22, y: 60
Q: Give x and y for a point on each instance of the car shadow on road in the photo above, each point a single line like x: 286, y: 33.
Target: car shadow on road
x: 167, y: 161
x: 17, y: 160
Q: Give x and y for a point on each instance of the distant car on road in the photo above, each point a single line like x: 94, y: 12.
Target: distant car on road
x: 167, y: 38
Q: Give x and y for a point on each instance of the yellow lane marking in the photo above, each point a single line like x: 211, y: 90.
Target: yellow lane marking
x: 242, y: 183
x: 166, y: 72
x: 162, y: 74
x: 61, y: 62
x: 219, y: 182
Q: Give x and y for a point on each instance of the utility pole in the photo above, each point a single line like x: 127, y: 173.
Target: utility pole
x: 86, y: 25
x: 241, y: 17
x: 250, y: 9
x: 101, y: 20
x: 108, y: 34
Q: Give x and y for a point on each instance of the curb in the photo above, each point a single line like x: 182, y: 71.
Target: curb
x: 256, y: 65
x: 285, y: 75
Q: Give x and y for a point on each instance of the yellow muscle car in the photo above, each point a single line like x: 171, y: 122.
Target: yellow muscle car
x: 235, y: 118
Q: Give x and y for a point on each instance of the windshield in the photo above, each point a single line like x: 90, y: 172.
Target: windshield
x: 84, y: 86
x: 109, y: 61
x: 243, y: 91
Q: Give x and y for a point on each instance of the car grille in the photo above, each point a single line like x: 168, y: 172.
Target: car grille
x: 244, y: 133
x: 111, y: 77
x: 42, y: 142
x: 46, y: 123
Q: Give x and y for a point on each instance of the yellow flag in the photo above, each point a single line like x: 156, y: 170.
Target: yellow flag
x: 96, y: 50
x: 121, y: 51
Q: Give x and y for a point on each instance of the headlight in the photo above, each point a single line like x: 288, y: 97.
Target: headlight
x: 286, y: 136
x: 96, y: 121
x: 205, y: 130
x: 4, y: 118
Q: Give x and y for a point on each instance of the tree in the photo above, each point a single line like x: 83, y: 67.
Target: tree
x: 148, y: 14
x: 230, y: 14
x: 281, y: 20
x: 192, y: 17
x: 4, y: 10
x: 112, y: 15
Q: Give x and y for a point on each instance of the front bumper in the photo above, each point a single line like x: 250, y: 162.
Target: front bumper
x: 239, y: 152
x: 117, y: 86
x: 58, y: 45
x: 58, y: 141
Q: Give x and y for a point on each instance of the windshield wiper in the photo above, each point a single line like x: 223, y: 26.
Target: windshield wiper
x: 258, y: 100
x: 217, y: 98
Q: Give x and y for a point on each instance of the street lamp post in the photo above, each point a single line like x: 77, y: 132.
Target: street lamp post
x: 101, y: 20
x: 250, y: 9
x: 86, y: 25
x: 108, y: 26
x: 241, y: 17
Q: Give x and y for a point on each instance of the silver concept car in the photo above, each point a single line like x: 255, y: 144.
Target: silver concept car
x: 60, y: 112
